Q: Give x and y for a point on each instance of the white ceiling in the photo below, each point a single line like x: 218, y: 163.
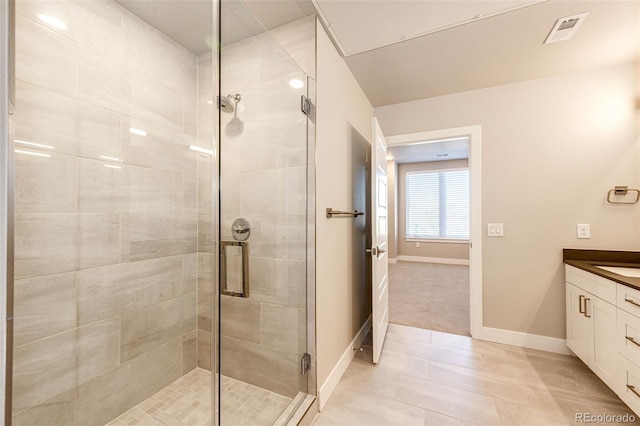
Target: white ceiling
x: 450, y: 149
x: 502, y: 49
x: 505, y: 47
x: 360, y: 26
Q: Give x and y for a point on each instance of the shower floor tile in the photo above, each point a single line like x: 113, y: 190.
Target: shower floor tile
x: 245, y: 404
x: 187, y: 401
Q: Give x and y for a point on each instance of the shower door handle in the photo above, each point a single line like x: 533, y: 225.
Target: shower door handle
x: 244, y: 253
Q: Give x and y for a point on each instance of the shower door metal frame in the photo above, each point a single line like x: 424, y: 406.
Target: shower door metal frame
x: 215, y: 216
x: 7, y: 100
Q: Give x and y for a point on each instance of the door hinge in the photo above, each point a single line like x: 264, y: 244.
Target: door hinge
x: 306, y: 106
x: 305, y: 363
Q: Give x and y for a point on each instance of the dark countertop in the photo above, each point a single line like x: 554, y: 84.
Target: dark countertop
x: 588, y: 259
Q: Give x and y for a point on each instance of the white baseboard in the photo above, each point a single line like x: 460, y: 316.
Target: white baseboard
x: 393, y: 260
x: 516, y: 338
x: 445, y: 260
x: 338, y: 371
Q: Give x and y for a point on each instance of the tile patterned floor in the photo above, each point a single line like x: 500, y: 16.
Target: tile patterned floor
x: 187, y: 401
x: 245, y: 404
x: 432, y: 378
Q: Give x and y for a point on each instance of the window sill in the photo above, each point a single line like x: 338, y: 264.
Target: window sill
x: 434, y: 240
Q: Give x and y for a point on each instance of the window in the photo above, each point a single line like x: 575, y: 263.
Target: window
x: 438, y: 204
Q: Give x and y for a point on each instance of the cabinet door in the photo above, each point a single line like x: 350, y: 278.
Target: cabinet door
x: 603, y: 355
x: 579, y: 330
x: 628, y: 388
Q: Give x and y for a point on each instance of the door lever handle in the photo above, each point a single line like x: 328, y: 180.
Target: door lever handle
x: 376, y: 251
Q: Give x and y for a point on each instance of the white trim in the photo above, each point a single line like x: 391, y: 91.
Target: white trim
x: 443, y: 170
x: 423, y: 259
x: 475, y: 172
x: 432, y: 136
x: 435, y: 240
x: 393, y: 260
x: 517, y: 338
x: 329, y: 385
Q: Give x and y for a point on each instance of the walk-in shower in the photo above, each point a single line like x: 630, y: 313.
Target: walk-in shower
x: 128, y: 179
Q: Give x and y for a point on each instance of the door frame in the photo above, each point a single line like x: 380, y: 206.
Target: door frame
x: 474, y: 133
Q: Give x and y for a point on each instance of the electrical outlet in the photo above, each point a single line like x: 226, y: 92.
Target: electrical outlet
x: 583, y: 230
x: 417, y: 243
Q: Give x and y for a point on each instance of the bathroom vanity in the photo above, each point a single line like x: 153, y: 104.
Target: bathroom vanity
x: 603, y: 317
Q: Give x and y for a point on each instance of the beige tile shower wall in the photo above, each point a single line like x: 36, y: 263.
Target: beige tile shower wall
x: 106, y: 220
x: 264, y: 179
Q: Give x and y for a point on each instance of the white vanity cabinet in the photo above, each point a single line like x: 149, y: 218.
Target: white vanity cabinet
x: 603, y: 330
x: 591, y: 322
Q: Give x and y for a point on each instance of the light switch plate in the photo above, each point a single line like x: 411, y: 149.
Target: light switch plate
x: 495, y: 229
x: 583, y: 230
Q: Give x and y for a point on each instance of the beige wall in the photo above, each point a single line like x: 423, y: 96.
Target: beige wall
x: 552, y: 148
x: 341, y: 106
x: 442, y: 250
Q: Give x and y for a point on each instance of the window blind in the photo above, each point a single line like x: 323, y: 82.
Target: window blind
x: 438, y: 204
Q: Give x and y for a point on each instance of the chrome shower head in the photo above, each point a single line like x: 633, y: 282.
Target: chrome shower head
x: 225, y: 102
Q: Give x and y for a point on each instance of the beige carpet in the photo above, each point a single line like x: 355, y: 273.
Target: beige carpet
x: 432, y: 296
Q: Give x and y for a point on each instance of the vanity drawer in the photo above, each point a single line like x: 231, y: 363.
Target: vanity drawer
x: 601, y: 287
x: 628, y: 386
x: 628, y: 336
x: 628, y: 299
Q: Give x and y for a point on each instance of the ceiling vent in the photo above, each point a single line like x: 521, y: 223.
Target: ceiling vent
x: 565, y: 28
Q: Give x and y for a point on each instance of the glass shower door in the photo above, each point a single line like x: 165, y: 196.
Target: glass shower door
x: 263, y: 224
x: 113, y: 160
